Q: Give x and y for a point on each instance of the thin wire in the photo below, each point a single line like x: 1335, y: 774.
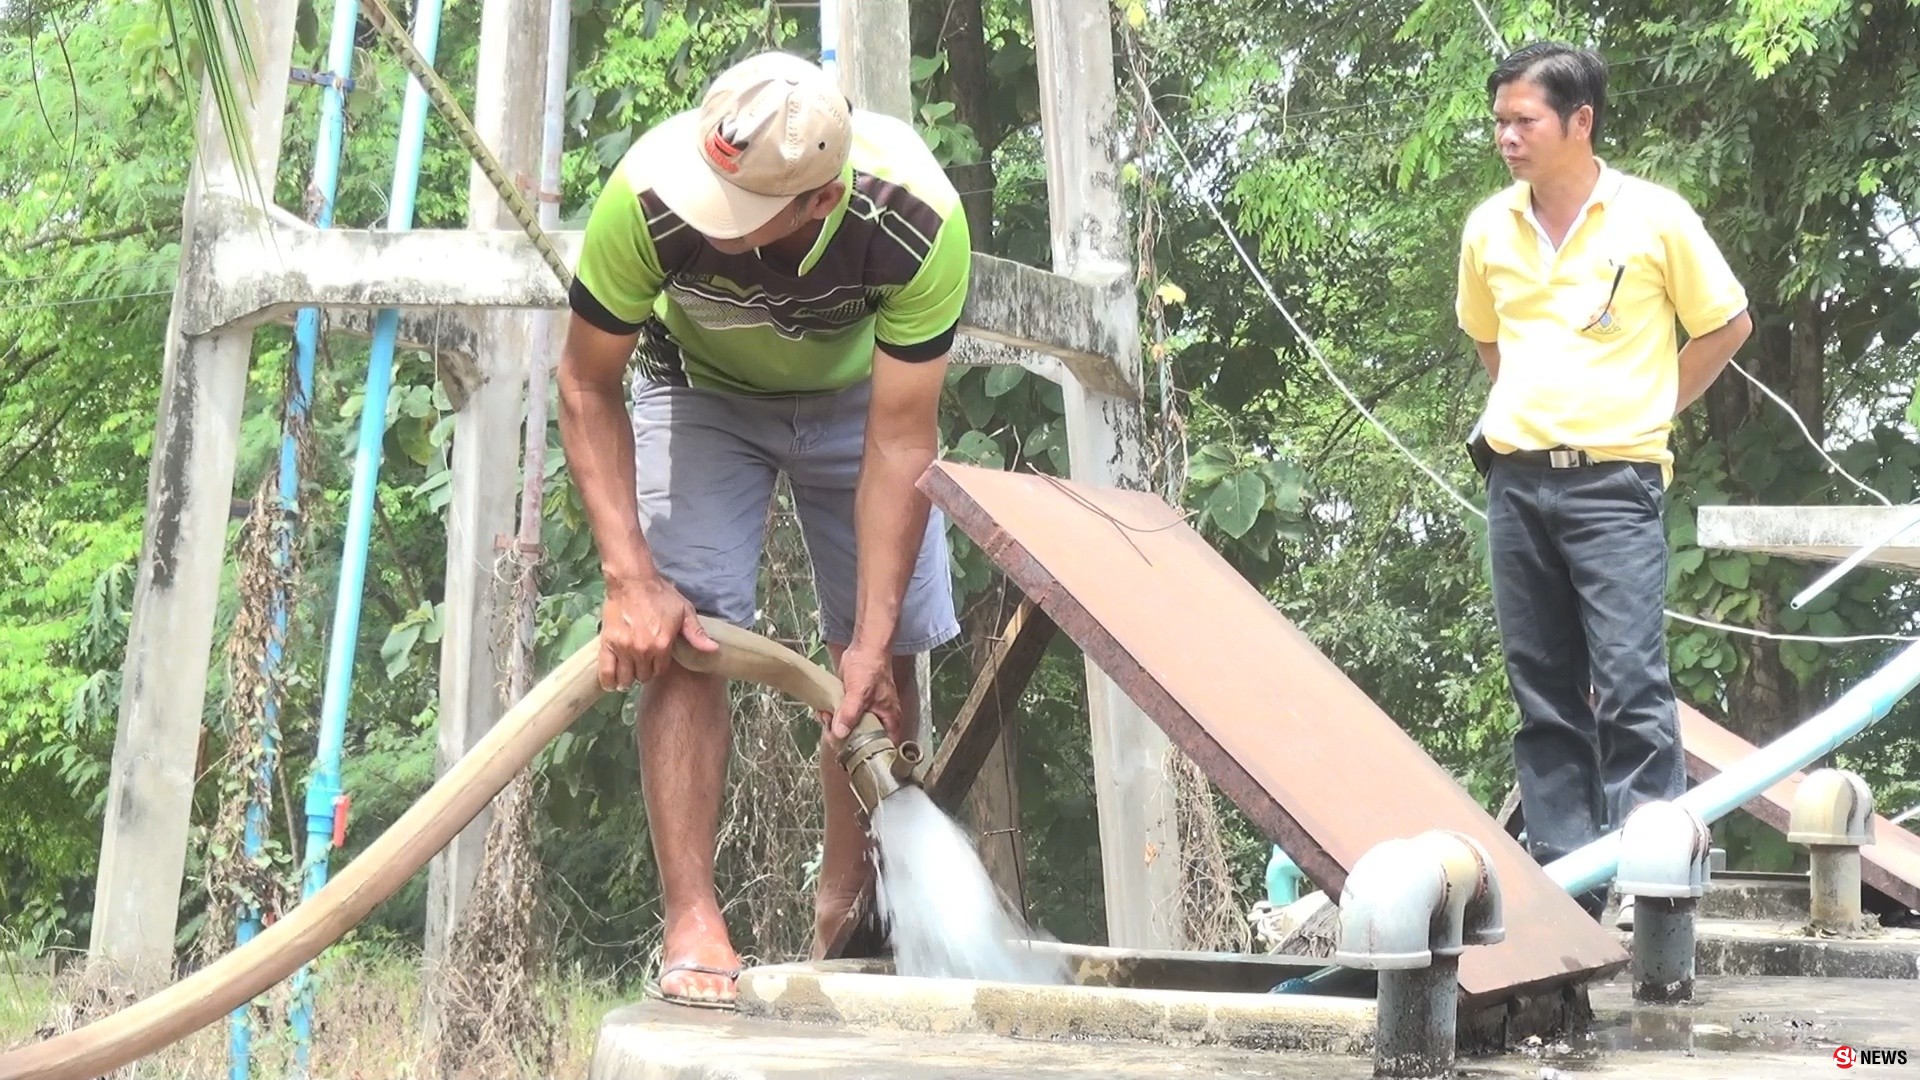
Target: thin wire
x: 1313, y: 349
x: 70, y: 272
x: 1499, y: 42
x: 1811, y: 441
x: 74, y: 301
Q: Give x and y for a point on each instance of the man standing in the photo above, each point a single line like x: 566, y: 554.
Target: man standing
x: 1571, y: 281
x: 791, y: 272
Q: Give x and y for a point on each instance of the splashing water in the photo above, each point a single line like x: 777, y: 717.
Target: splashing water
x: 946, y: 918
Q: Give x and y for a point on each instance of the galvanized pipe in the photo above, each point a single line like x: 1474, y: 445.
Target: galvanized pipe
x: 1417, y: 1018
x: 1833, y: 899
x: 1663, y: 938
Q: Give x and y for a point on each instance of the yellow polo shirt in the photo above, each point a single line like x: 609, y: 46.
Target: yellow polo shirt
x: 1576, y: 370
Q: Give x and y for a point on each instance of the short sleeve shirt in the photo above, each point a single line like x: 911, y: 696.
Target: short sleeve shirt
x: 1589, y: 351
x: 890, y: 269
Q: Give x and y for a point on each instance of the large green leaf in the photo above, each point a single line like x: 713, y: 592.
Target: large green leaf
x: 1236, y: 502
x: 1730, y: 569
x: 1002, y: 378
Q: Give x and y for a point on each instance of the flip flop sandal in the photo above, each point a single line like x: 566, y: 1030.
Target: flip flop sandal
x: 655, y: 992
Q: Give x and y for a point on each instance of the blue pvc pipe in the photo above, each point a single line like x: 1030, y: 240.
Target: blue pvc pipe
x: 326, y: 178
x: 1594, y: 865
x: 1715, y: 798
x: 1283, y: 878
x: 324, y: 789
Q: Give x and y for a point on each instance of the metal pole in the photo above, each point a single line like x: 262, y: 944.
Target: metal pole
x: 1417, y: 1016
x: 1663, y: 937
x: 324, y: 795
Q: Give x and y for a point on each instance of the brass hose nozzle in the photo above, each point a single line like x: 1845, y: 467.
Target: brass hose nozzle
x: 877, y: 767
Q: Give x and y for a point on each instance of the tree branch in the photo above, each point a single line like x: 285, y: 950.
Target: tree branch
x: 1353, y: 417
x: 44, y: 435
x: 416, y: 593
x: 69, y: 239
x: 17, y: 373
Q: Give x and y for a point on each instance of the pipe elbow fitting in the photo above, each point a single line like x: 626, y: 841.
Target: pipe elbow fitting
x: 1664, y: 852
x: 1833, y: 808
x: 1409, y: 900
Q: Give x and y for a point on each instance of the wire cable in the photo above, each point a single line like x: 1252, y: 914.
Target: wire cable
x: 1811, y: 441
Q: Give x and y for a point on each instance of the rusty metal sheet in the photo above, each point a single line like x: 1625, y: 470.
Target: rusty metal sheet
x: 1303, y: 751
x: 1891, y: 864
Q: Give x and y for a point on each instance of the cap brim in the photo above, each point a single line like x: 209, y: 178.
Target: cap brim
x: 677, y: 172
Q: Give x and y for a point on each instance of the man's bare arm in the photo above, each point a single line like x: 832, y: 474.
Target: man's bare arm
x: 644, y: 614
x: 1489, y: 357
x: 890, y: 513
x: 1706, y: 356
x: 597, y: 436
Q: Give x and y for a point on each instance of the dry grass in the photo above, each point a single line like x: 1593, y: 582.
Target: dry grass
x: 492, y: 1022
x: 1210, y: 916
x: 367, y: 1023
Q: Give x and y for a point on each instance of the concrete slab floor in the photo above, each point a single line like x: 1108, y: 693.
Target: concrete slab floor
x: 1738, y: 947
x: 1760, y: 1029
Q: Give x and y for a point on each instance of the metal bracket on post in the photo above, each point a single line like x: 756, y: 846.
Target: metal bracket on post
x: 320, y: 78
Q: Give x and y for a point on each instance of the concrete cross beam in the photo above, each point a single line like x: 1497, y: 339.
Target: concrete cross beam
x: 1816, y: 533
x: 263, y: 278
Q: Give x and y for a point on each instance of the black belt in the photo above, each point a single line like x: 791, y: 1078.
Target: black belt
x: 1560, y: 458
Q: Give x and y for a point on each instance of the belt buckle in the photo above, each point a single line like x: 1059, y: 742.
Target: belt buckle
x: 1564, y: 459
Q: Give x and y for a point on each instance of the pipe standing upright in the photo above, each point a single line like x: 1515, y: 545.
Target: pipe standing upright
x: 306, y: 335
x: 324, y: 794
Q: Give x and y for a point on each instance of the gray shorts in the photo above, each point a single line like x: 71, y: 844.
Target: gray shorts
x: 705, y: 464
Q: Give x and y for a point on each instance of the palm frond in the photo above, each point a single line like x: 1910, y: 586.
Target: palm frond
x: 224, y: 40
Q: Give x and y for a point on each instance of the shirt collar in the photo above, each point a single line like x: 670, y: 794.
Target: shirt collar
x: 832, y: 224
x: 1605, y: 189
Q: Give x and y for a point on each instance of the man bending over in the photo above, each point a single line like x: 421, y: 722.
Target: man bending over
x: 788, y: 275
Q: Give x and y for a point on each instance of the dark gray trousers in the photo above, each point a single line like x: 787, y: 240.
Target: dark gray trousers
x: 1579, y: 582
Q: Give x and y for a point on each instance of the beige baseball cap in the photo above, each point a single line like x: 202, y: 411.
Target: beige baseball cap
x: 771, y: 127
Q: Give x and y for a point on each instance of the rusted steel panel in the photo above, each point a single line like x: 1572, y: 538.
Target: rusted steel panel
x: 1297, y: 746
x: 1890, y: 864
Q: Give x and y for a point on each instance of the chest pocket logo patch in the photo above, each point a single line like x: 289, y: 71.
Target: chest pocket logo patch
x: 1604, y: 321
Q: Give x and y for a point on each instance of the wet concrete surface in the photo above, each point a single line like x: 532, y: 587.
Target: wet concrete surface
x: 1762, y: 1029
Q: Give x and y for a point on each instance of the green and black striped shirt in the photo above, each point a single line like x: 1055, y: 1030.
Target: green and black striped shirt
x: 889, y: 270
